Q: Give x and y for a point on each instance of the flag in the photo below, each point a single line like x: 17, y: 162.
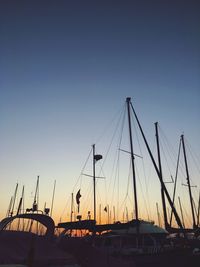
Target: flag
x: 105, y: 209
x: 78, y: 196
x: 97, y: 157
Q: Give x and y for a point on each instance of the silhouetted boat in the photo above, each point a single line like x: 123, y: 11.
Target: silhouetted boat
x: 32, y: 249
x: 135, y: 243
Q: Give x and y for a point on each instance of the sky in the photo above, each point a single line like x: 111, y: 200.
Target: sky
x: 67, y: 68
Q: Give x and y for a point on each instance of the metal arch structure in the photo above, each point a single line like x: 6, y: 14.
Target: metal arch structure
x: 41, y: 218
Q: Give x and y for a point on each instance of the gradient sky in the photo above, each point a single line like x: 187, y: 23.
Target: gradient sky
x: 67, y: 68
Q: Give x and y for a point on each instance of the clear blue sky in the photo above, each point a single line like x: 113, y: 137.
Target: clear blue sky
x: 67, y: 67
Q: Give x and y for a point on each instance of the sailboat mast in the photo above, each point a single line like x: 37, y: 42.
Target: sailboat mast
x: 128, y: 99
x: 94, y: 181
x: 188, y: 181
x: 161, y: 176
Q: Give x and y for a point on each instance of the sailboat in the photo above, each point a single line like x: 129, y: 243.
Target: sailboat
x: 168, y: 225
x: 27, y: 238
x: 137, y: 241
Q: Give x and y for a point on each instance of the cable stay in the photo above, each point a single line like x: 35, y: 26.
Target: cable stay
x: 130, y: 153
x: 188, y: 182
x: 175, y: 183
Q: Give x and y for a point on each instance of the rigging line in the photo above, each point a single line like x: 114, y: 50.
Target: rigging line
x: 117, y: 156
x: 80, y: 176
x: 187, y: 217
x: 120, y: 141
x: 148, y: 180
x: 176, y: 176
x: 129, y: 178
x: 138, y: 177
x: 190, y: 151
x: 108, y: 126
x: 165, y: 157
x: 99, y: 176
x: 145, y: 203
x: 188, y: 182
x: 169, y: 146
x: 142, y: 158
x: 130, y: 200
x: 182, y: 167
x: 166, y: 146
x: 69, y: 198
x: 101, y: 172
x: 116, y: 180
x: 87, y: 203
x: 99, y: 198
x: 195, y: 208
x: 113, y: 136
x: 113, y: 171
x: 105, y: 185
x: 157, y: 170
x: 127, y: 193
x: 124, y: 202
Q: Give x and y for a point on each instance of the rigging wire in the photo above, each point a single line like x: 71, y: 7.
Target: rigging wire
x: 144, y: 173
x: 169, y: 148
x: 181, y: 166
x: 110, y: 123
x: 176, y: 177
x: 192, y: 174
x: 115, y: 170
x: 77, y: 181
x: 194, y: 157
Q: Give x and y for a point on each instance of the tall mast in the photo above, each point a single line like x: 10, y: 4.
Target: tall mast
x: 128, y: 99
x: 161, y: 176
x: 96, y: 157
x: 158, y: 173
x: 188, y: 181
x: 94, y: 181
